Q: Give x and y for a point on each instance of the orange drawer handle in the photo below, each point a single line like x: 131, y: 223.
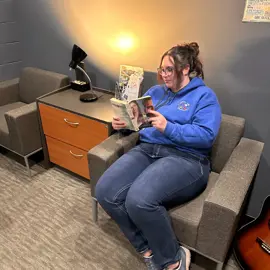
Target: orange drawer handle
x: 75, y: 155
x: 74, y: 124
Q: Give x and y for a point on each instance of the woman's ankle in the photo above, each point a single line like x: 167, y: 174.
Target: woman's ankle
x: 147, y: 253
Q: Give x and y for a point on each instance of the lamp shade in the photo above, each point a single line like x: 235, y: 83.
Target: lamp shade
x: 77, y: 56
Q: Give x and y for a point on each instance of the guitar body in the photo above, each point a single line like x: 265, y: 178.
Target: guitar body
x: 252, y: 242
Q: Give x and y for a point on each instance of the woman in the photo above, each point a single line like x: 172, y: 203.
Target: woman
x: 170, y: 165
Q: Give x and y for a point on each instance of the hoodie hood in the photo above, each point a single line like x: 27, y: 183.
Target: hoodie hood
x: 193, y: 84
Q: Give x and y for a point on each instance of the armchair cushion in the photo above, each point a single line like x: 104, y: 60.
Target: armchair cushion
x: 9, y: 91
x: 23, y: 129
x: 4, y: 132
x: 36, y: 82
x: 230, y: 133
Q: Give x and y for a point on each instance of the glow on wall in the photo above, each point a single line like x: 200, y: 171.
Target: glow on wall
x: 117, y: 32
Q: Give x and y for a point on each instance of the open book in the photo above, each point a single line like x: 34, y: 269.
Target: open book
x: 134, y: 112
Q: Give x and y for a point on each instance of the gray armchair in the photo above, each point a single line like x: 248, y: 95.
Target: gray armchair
x: 19, y: 128
x: 206, y: 224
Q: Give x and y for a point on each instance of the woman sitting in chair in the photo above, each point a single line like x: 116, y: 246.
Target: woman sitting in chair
x: 170, y: 164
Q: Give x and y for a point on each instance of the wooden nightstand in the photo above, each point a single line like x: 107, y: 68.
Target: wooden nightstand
x: 70, y: 128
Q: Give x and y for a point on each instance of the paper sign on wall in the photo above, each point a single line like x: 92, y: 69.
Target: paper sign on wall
x: 257, y: 11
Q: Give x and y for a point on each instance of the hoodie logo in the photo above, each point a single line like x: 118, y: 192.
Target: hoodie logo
x: 183, y: 106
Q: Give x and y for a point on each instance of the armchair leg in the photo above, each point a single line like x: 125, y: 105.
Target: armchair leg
x: 27, y: 166
x: 219, y: 266
x: 95, y: 209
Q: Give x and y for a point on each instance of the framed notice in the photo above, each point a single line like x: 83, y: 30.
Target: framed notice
x: 257, y: 11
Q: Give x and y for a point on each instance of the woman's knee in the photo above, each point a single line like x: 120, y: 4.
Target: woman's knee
x: 137, y: 203
x: 102, y: 190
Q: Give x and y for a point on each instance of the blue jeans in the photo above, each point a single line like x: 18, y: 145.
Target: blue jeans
x: 139, y: 188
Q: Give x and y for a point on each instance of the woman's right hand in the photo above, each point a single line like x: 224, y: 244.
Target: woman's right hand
x: 117, y: 123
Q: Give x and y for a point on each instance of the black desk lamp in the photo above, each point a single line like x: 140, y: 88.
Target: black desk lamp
x: 78, y: 55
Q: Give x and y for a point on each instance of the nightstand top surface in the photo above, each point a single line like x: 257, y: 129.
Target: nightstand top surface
x: 69, y: 100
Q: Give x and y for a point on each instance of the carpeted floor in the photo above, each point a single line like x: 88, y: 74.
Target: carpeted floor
x: 46, y: 223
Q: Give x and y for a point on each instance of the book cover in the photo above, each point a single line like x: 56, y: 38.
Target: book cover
x: 130, y: 82
x: 134, y: 113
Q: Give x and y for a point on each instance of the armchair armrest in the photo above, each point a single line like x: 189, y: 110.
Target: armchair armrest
x: 9, y: 91
x: 223, y: 206
x: 106, y: 153
x: 24, y: 129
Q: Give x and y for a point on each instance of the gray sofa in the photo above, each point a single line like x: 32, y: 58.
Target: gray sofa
x: 208, y: 223
x: 19, y: 128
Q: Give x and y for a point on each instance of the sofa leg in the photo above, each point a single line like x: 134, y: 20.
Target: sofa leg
x: 95, y: 209
x: 219, y: 266
x: 27, y: 166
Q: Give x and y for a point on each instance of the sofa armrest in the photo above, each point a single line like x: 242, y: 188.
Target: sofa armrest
x: 9, y: 91
x: 106, y: 153
x: 226, y: 200
x: 24, y: 129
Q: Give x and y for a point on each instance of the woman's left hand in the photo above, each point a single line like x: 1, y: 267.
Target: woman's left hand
x: 157, y: 120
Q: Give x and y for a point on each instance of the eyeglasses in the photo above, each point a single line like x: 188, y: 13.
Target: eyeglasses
x: 165, y: 71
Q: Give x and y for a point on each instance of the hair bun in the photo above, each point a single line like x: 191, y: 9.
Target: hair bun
x: 194, y: 47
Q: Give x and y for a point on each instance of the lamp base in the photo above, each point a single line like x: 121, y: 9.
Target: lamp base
x: 88, y: 97
x: 80, y: 86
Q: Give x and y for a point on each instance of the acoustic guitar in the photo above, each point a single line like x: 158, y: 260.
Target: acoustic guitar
x: 252, y: 242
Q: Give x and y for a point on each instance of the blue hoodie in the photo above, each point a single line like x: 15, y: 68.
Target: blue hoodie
x: 193, y: 117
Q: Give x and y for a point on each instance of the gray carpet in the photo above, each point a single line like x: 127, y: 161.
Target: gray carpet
x: 46, y: 223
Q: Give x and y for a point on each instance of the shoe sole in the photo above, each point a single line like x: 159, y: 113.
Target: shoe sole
x: 188, y: 257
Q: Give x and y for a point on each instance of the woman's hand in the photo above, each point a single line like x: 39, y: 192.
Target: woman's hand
x: 117, y: 123
x: 157, y: 120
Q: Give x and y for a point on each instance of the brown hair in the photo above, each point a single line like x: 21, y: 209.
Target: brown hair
x: 185, y: 55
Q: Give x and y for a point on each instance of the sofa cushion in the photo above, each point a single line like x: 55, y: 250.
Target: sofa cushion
x: 230, y: 133
x: 4, y: 133
x: 186, y: 218
x: 36, y: 82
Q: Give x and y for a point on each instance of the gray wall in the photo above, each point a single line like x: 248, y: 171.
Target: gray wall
x: 10, y: 54
x: 44, y: 45
x: 236, y: 57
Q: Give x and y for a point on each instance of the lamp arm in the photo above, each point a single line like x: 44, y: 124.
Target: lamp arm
x: 83, y: 71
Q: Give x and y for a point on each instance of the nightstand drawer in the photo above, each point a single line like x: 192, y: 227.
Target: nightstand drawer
x: 73, y: 129
x: 67, y: 156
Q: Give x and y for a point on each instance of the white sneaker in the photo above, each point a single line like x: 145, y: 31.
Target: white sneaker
x: 185, y: 259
